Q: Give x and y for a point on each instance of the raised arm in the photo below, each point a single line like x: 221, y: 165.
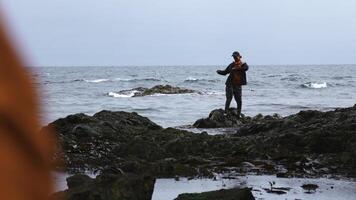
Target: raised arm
x: 224, y: 72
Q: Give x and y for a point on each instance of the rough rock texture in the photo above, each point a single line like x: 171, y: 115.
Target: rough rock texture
x: 92, y: 141
x: 107, y: 187
x: 229, y: 194
x: 158, y: 89
x: 309, y: 143
x: 219, y: 119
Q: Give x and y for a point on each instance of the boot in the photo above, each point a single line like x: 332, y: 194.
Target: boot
x: 238, y: 112
x: 227, y: 107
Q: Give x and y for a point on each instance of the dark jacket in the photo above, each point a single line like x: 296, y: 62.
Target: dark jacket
x: 239, y: 72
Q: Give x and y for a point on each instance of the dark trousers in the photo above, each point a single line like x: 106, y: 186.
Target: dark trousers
x: 236, y: 92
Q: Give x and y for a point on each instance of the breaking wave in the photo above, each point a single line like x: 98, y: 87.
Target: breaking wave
x: 123, y: 80
x: 193, y: 80
x: 146, y: 79
x: 97, y: 80
x: 102, y: 80
x: 125, y: 94
x: 315, y: 85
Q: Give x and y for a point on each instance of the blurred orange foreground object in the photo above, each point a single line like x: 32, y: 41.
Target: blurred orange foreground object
x: 24, y: 152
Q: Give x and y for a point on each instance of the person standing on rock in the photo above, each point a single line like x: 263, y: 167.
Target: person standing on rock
x: 237, y: 78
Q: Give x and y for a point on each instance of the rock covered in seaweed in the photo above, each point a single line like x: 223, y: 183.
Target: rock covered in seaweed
x: 107, y: 187
x: 158, y: 89
x: 86, y: 142
x: 219, y: 119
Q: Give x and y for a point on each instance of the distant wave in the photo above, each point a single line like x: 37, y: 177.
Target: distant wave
x: 102, y: 80
x: 59, y: 82
x: 281, y: 105
x: 341, y: 77
x: 48, y: 82
x: 315, y: 85
x: 146, y: 79
x: 211, y: 93
x: 273, y: 75
x: 97, y: 80
x: 192, y: 80
x: 136, y: 79
x: 127, y: 94
x: 292, y: 77
x: 144, y: 109
x: 124, y: 80
x: 133, y: 92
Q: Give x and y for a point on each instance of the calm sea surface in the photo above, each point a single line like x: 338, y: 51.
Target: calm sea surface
x: 271, y: 89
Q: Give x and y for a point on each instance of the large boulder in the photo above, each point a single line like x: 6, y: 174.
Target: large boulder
x: 103, y: 122
x: 218, y: 118
x: 158, y: 89
x: 107, y: 187
x: 94, y: 142
x: 224, y: 194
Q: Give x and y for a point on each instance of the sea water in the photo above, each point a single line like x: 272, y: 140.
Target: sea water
x: 270, y: 89
x: 169, y: 189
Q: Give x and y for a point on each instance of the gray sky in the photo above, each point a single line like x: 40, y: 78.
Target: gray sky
x: 184, y: 32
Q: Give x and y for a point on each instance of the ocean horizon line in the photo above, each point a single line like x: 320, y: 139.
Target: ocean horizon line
x: 199, y: 65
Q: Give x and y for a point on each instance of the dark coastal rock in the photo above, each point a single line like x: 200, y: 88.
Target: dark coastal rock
x: 310, y: 188
x: 103, y: 123
x: 219, y: 119
x: 158, y: 89
x: 86, y: 142
x: 107, y: 187
x: 309, y: 143
x: 225, y: 194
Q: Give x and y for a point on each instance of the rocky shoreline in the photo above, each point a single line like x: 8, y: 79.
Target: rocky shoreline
x: 307, y: 144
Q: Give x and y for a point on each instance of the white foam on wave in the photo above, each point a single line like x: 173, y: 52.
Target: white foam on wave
x: 212, y: 93
x: 122, y: 79
x: 127, y: 94
x: 208, y: 93
x: 173, y: 94
x: 191, y: 79
x: 315, y: 85
x: 97, y: 80
x: 117, y: 79
x: 136, y: 79
x: 159, y: 94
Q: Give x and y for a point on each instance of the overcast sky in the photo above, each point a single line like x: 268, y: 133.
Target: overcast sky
x: 184, y: 32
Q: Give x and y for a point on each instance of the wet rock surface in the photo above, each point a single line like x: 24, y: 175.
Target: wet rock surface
x: 107, y: 187
x: 226, y: 194
x: 158, y: 89
x: 310, y: 188
x: 307, y: 144
x: 218, y: 118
